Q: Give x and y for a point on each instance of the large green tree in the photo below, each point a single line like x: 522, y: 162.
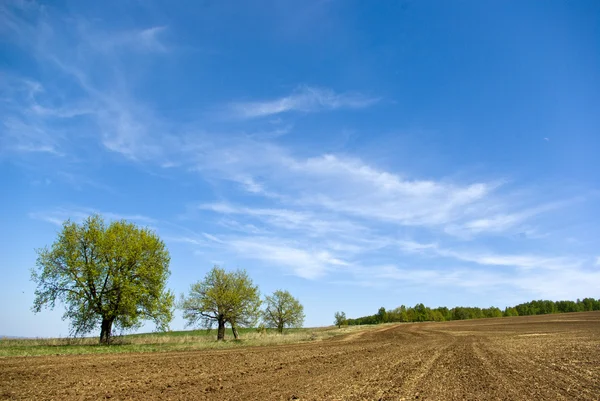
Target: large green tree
x: 108, y: 276
x: 283, y: 310
x: 222, y: 297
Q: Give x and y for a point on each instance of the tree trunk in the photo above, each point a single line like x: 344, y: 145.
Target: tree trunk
x: 106, y: 331
x: 280, y: 327
x: 234, y: 330
x: 221, y: 330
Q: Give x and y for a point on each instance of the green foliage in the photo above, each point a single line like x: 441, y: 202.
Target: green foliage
x: 492, y: 312
x: 590, y: 304
x: 283, y: 310
x: 339, y: 319
x: 382, y: 316
x: 421, y: 313
x: 222, y: 297
x: 541, y: 307
x: 106, y: 276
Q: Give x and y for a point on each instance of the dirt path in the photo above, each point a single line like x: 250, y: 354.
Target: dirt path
x: 532, y: 358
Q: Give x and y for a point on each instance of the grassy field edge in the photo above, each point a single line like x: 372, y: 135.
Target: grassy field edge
x: 169, y: 341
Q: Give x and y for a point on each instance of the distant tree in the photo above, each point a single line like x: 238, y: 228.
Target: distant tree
x: 410, y: 315
x: 564, y: 306
x: 381, y: 315
x: 445, y: 312
x: 112, y: 276
x: 421, y: 313
x: 460, y: 313
x: 222, y: 297
x: 510, y: 312
x: 492, y: 312
x: 283, y: 310
x: 436, y: 315
x: 340, y: 319
x: 590, y: 304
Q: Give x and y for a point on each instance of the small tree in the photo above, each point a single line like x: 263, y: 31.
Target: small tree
x: 340, y: 318
x: 283, y: 310
x: 107, y: 276
x: 220, y: 298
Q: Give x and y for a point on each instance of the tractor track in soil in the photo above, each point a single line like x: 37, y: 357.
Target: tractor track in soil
x: 530, y: 358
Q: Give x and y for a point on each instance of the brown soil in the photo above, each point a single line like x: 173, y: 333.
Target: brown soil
x: 553, y: 357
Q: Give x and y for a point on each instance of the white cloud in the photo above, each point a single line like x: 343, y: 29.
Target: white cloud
x: 59, y: 215
x: 498, y: 223
x: 358, y: 204
x: 525, y: 261
x: 341, y: 185
x: 149, y: 38
x: 212, y: 238
x: 133, y: 217
x: 95, y: 39
x: 568, y: 283
x: 245, y: 228
x: 354, y: 187
x: 311, y: 224
x: 302, y: 261
x: 350, y: 186
x: 99, y: 66
x: 521, y: 261
x: 304, y: 99
x: 561, y: 284
x: 22, y: 130
x: 430, y: 277
x: 186, y: 240
x: 124, y: 131
x: 43, y: 111
x: 272, y: 133
x: 49, y: 218
x: 79, y: 181
x: 412, y: 246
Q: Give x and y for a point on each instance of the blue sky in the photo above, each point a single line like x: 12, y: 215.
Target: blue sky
x: 356, y: 154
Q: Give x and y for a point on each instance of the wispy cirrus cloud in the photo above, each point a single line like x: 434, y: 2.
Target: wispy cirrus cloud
x: 502, y: 222
x: 353, y: 187
x: 22, y: 129
x: 472, y: 279
x: 500, y: 285
x: 309, y: 263
x: 304, y: 99
x: 487, y: 258
x: 140, y: 40
x: 310, y: 223
x: 92, y: 62
x: 527, y: 262
x: 342, y: 185
x: 59, y: 215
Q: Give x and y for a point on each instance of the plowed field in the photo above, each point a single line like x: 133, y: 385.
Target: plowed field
x: 554, y: 357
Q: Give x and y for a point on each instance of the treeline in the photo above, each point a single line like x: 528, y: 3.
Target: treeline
x: 422, y: 313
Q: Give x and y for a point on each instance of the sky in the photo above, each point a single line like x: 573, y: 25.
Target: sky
x: 357, y: 154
